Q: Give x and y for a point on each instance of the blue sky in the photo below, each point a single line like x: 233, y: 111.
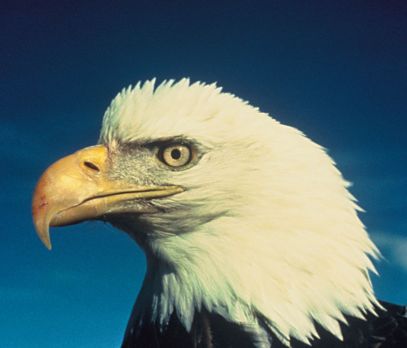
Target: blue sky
x: 335, y: 70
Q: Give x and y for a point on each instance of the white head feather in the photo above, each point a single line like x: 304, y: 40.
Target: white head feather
x: 266, y: 225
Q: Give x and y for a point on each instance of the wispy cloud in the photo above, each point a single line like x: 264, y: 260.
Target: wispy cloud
x: 393, y: 246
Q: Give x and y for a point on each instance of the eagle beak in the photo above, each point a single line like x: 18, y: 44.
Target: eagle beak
x: 77, y: 188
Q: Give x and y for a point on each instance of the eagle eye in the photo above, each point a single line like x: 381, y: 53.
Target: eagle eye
x: 176, y: 155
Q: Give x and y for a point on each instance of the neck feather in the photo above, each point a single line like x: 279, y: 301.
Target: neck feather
x: 289, y: 278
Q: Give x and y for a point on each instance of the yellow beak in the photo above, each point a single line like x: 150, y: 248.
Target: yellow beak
x: 76, y: 188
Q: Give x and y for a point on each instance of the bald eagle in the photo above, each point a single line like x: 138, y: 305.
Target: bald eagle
x: 250, y: 234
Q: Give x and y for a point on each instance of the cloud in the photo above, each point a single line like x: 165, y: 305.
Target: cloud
x: 393, y: 246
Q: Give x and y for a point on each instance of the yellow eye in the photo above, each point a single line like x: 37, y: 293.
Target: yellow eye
x: 176, y: 155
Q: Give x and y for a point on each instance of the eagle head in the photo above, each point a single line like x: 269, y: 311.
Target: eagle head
x: 237, y: 214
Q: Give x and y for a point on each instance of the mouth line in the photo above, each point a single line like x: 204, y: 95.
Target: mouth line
x: 102, y: 201
x: 117, y: 193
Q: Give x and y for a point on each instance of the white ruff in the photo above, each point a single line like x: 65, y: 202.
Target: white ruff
x: 266, y: 225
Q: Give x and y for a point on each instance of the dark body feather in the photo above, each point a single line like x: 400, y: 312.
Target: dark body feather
x: 209, y: 330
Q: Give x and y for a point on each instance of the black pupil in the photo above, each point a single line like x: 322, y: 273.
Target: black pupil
x: 175, y: 154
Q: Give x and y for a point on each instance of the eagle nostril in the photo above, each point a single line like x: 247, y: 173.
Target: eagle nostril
x: 91, y: 166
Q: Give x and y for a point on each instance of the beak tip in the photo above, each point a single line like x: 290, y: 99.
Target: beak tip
x: 42, y: 229
x: 45, y: 238
x: 46, y: 241
x: 47, y: 244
